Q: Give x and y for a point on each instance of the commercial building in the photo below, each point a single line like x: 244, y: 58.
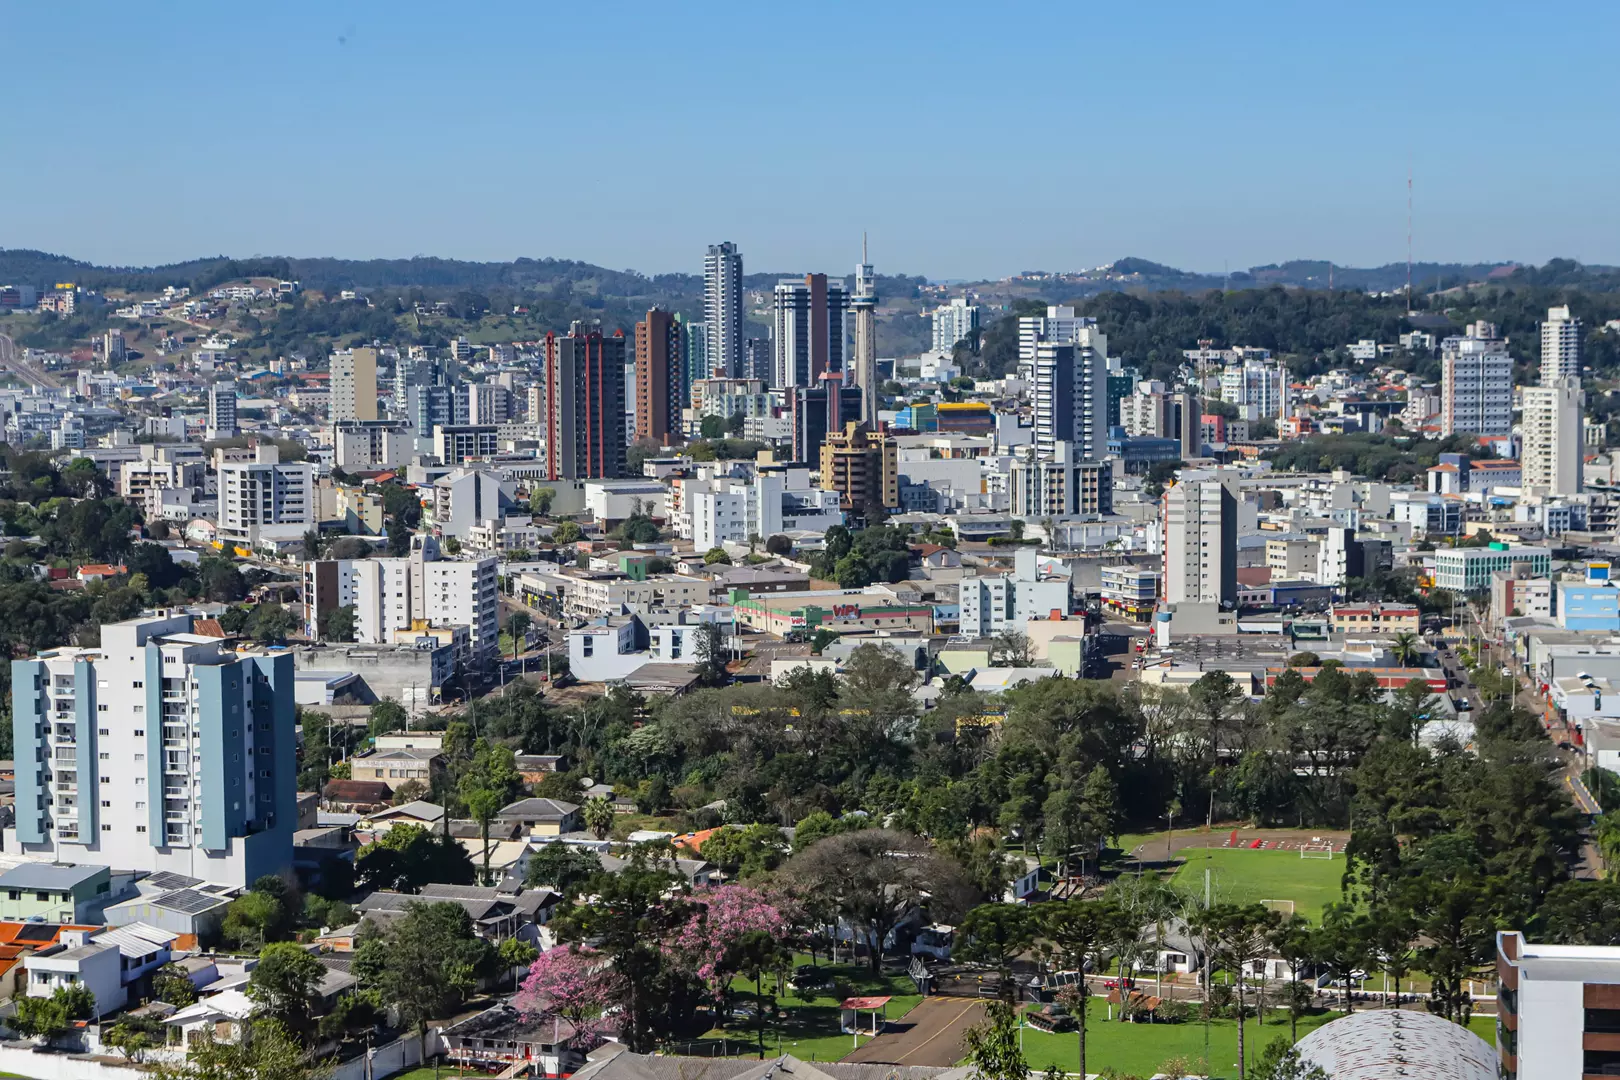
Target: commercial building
x: 1130, y: 590
x: 1071, y: 393
x: 256, y: 496
x: 1200, y: 542
x: 354, y: 384
x: 1060, y: 486
x: 810, y: 408
x: 583, y: 429
x: 993, y: 604
x: 1560, y: 347
x: 1476, y: 386
x: 413, y: 593
x: 723, y: 311
x: 1380, y: 619
x: 695, y: 342
x: 954, y: 322
x: 1470, y: 569
x: 364, y: 445
x: 661, y: 391
x: 843, y: 610
x: 1552, y: 458
x: 204, y: 746
x: 1558, y: 1009
x: 862, y: 467
x: 222, y: 410
x: 809, y: 320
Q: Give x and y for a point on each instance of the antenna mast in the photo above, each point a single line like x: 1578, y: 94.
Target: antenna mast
x: 1409, y: 237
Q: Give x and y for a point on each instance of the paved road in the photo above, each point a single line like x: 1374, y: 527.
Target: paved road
x: 930, y: 1034
x: 11, y: 360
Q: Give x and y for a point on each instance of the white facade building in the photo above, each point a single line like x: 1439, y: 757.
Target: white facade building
x: 775, y: 500
x: 1560, y: 346
x: 993, y: 604
x: 1476, y: 388
x: 393, y: 596
x: 1071, y: 393
x: 1552, y: 457
x: 222, y: 410
x: 1058, y: 326
x: 1257, y: 387
x: 723, y: 310
x: 1200, y: 542
x: 953, y: 322
x: 265, y: 492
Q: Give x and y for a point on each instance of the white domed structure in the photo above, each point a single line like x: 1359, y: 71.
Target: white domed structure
x: 1393, y: 1044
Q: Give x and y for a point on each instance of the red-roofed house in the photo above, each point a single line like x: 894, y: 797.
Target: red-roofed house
x: 99, y: 571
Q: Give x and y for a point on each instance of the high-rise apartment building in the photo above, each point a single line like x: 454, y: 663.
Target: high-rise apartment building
x: 1071, y: 393
x: 723, y: 310
x: 810, y: 409
x: 156, y: 751
x: 393, y: 597
x: 862, y: 466
x: 660, y: 377
x: 759, y: 359
x: 1560, y: 346
x: 354, y: 384
x: 956, y: 321
x: 583, y: 378
x: 488, y: 403
x: 1551, y: 454
x: 1259, y: 389
x: 990, y: 605
x: 222, y: 410
x: 696, y: 343
x: 1476, y: 386
x: 809, y: 329
x: 264, y: 493
x: 865, y: 305
x: 1200, y: 543
x: 413, y: 376
x: 1059, y: 326
x: 1062, y: 486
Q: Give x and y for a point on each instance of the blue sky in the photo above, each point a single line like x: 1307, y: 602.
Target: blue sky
x: 970, y: 140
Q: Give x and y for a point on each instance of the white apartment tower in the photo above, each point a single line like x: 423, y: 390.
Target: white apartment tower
x: 395, y: 596
x: 1551, y: 460
x: 993, y: 604
x: 264, y: 492
x: 1071, y: 394
x: 1059, y: 326
x: 1200, y: 543
x: 1259, y: 388
x: 222, y: 410
x: 865, y: 305
x: 723, y: 310
x: 1560, y: 346
x: 156, y: 751
x: 956, y: 321
x: 1476, y: 387
x: 354, y: 384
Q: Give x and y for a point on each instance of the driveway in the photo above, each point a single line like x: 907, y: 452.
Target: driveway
x: 930, y: 1034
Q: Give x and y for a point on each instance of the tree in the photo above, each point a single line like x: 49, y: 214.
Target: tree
x: 874, y: 877
x: 255, y: 919
x: 566, y: 532
x: 993, y: 936
x: 574, y: 983
x: 399, y: 539
x: 489, y: 783
x: 598, y: 814
x: 716, y: 555
x: 312, y: 544
x: 779, y: 545
x: 432, y: 961
x: 1240, y: 935
x: 1011, y: 648
x: 284, y: 984
x: 1281, y: 1061
x: 132, y: 1036
x: 711, y: 668
x: 268, y: 1052
x: 540, y: 500
x: 385, y: 716
x: 1405, y: 647
x: 339, y: 623
x: 746, y: 852
x: 78, y: 1001
x: 515, y: 953
x: 561, y: 867
x: 271, y: 623
x: 171, y: 985
x: 406, y: 857
x: 517, y: 625
x: 852, y: 571
x: 753, y: 955
x: 993, y: 1048
x: 40, y: 1018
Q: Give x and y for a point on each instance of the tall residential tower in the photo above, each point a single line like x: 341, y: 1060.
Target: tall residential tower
x: 723, y: 309
x: 1560, y: 347
x: 809, y: 335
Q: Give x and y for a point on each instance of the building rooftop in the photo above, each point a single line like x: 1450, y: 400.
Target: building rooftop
x: 1387, y: 1044
x: 55, y: 877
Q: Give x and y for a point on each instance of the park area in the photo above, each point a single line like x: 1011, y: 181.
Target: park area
x: 1279, y: 878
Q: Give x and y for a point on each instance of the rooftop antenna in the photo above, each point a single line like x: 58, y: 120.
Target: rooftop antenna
x: 1409, y: 236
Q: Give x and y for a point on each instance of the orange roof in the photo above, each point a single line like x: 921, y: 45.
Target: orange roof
x: 208, y: 628
x: 101, y: 569
x: 693, y: 841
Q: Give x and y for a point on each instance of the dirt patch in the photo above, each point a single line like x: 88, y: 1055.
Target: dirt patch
x: 930, y: 1034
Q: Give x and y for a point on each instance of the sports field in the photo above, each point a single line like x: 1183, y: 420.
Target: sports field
x: 1242, y: 876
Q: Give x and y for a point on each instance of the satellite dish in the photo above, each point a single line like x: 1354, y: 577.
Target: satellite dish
x: 586, y: 782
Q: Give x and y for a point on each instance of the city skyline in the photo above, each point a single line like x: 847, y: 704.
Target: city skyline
x: 1316, y: 165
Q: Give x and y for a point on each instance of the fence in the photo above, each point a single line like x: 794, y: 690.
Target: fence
x: 403, y: 1053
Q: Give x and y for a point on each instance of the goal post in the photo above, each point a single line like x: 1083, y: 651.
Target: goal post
x: 1284, y: 907
x: 1316, y: 849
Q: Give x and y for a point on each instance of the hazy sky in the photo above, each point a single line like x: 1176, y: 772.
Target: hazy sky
x: 970, y: 140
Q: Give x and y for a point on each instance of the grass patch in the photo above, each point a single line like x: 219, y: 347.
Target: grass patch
x: 1238, y: 875
x: 809, y: 1028
x: 1142, y: 1049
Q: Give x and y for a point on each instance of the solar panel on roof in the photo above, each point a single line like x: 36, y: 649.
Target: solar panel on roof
x: 36, y: 932
x: 168, y: 879
x: 188, y: 901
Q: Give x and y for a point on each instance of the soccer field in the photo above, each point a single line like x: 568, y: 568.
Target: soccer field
x: 1241, y: 876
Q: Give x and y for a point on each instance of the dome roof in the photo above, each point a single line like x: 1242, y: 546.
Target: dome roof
x: 1386, y: 1044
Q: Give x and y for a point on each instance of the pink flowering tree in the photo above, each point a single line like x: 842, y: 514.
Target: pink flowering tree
x: 722, y: 917
x: 577, y: 984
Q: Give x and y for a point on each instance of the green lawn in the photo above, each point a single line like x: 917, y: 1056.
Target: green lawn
x: 1238, y: 875
x: 1141, y: 1049
x: 809, y: 1029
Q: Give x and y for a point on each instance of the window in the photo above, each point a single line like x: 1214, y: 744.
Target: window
x: 106, y: 802
x: 42, y: 896
x: 140, y: 828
